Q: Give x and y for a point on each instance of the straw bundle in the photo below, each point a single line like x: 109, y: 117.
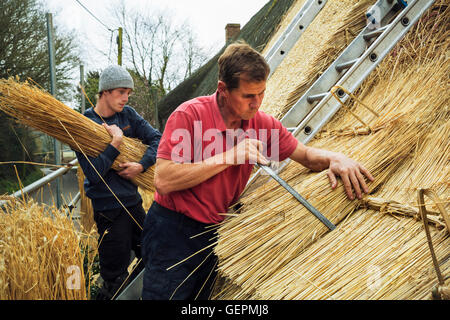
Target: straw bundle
x: 40, y: 254
x: 86, y: 210
x: 267, y: 245
x: 393, y: 207
x: 37, y: 109
x: 147, y: 198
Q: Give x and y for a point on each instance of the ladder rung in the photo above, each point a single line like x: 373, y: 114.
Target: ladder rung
x: 345, y: 65
x: 316, y: 97
x: 375, y: 33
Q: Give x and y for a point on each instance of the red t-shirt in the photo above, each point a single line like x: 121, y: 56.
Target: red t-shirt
x: 196, y: 131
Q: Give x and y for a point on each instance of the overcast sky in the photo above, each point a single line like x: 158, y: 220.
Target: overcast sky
x: 207, y: 19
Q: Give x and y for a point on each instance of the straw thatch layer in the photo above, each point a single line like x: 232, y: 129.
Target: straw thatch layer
x: 370, y: 256
x: 274, y: 239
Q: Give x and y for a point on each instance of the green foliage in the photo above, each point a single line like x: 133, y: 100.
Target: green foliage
x: 10, y: 184
x: 24, y: 53
x: 91, y: 268
x: 24, y: 46
x: 91, y: 90
x: 18, y: 144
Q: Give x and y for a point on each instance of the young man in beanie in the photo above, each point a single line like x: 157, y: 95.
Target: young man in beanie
x: 119, y: 232
x: 206, y: 155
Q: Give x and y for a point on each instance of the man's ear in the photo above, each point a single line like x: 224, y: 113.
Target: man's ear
x: 107, y: 92
x: 221, y: 87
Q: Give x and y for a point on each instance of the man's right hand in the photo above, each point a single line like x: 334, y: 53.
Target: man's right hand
x: 116, y: 133
x: 247, y: 150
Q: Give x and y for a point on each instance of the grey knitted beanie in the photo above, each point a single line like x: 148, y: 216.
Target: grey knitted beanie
x: 114, y: 77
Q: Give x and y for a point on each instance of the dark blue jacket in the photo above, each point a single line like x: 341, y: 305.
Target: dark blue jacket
x: 133, y: 126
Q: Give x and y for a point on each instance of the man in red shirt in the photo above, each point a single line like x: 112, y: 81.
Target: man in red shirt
x: 205, y: 158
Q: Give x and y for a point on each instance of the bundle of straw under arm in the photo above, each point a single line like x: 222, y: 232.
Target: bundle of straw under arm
x: 40, y: 110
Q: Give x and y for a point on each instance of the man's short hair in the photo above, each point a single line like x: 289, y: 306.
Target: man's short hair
x: 240, y: 59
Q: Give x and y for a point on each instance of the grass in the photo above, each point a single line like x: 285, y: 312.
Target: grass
x: 11, y: 185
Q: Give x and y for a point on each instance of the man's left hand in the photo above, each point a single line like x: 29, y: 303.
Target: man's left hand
x: 352, y: 174
x: 130, y: 170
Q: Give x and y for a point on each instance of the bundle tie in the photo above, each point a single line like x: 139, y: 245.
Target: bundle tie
x: 423, y: 212
x: 333, y: 92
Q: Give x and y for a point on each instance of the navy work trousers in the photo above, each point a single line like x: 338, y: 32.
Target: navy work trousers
x: 119, y: 234
x: 168, y: 238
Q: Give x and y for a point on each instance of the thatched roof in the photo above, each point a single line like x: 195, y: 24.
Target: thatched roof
x: 275, y: 249
x: 257, y: 32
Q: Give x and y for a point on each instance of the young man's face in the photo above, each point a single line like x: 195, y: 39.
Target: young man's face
x: 244, y: 101
x: 117, y: 98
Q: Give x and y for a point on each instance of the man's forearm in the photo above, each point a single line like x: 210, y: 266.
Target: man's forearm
x: 312, y: 158
x: 318, y: 159
x: 171, y: 176
x: 352, y: 173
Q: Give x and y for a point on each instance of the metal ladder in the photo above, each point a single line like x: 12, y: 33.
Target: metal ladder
x: 317, y: 105
x: 290, y: 36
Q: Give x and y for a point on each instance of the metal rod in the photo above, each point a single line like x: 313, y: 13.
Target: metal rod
x: 345, y: 65
x: 375, y: 33
x: 297, y: 196
x: 51, y: 57
x: 83, y: 98
x: 119, y: 47
x: 42, y: 182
